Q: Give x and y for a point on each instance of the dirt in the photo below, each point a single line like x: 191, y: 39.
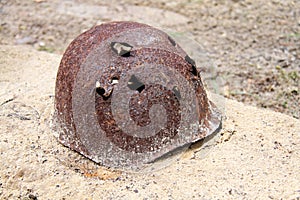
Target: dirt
x: 255, y: 155
x: 254, y: 45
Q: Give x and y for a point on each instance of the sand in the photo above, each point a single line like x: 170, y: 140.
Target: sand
x: 255, y: 155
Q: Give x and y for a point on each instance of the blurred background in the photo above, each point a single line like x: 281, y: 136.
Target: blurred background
x: 254, y: 45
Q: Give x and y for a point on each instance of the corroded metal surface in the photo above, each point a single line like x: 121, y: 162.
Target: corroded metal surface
x: 127, y: 94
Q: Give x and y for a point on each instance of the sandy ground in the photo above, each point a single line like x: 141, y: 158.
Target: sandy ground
x: 255, y: 156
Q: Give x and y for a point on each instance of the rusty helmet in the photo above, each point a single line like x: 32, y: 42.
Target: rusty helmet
x: 126, y: 94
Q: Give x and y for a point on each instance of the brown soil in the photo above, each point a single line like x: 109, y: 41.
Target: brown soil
x: 255, y: 45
